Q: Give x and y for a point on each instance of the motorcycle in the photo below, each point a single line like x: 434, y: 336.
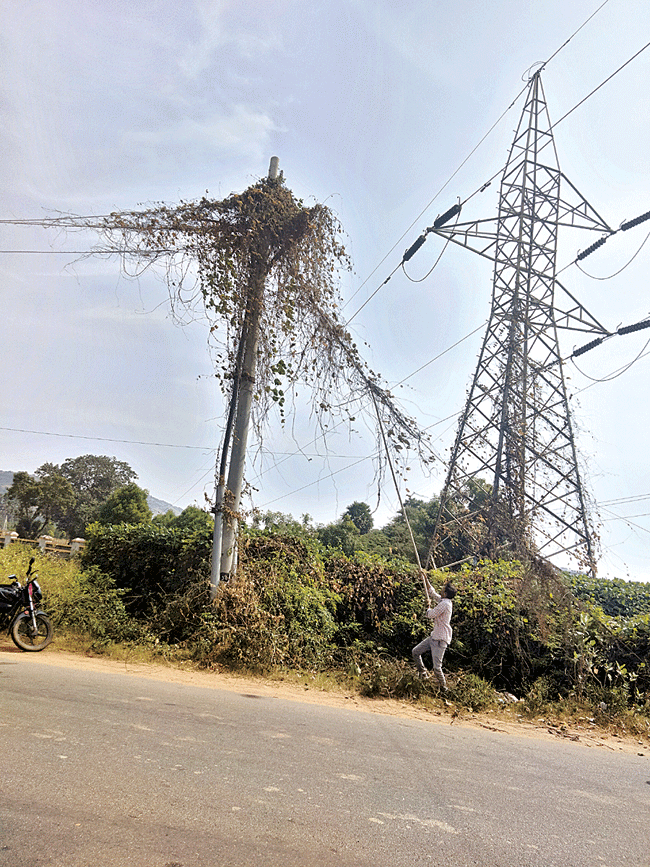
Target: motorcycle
x: 29, y: 627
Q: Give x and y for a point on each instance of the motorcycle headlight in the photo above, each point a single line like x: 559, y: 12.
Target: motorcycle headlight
x: 38, y: 593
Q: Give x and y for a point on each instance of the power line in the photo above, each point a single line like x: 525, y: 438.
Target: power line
x: 610, y: 377
x: 440, y: 354
x: 627, y: 517
x: 145, y: 443
x: 620, y: 270
x: 105, y: 439
x: 584, y: 24
x: 616, y: 373
x: 609, y: 78
x: 467, y: 158
x: 616, y: 517
x: 638, y: 498
x: 318, y: 481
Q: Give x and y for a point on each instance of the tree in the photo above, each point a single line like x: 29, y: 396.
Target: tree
x: 193, y: 519
x: 190, y: 520
x: 282, y: 522
x: 126, y: 505
x: 93, y: 479
x: 166, y: 519
x: 24, y: 494
x: 421, y: 516
x: 343, y: 534
x: 361, y: 516
x: 40, y: 502
x: 465, y: 527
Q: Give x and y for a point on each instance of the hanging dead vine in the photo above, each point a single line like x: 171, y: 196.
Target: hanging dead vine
x: 262, y: 246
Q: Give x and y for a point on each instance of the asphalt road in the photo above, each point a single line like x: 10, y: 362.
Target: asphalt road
x: 115, y: 771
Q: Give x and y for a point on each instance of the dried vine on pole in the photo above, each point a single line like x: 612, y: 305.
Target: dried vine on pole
x: 261, y: 260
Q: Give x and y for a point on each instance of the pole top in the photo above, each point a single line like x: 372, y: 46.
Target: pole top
x: 273, y: 168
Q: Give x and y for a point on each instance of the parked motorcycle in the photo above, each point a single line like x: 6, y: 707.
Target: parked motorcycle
x: 29, y: 627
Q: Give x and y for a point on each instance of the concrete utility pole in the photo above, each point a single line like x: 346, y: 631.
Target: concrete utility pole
x: 228, y: 494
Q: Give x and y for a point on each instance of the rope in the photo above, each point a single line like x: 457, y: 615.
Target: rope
x: 401, y: 502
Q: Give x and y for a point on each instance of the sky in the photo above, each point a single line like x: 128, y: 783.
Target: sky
x: 374, y: 107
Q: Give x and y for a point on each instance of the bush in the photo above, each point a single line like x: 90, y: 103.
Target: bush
x: 472, y: 692
x: 152, y: 564
x: 93, y: 606
x: 80, y: 602
x: 616, y: 598
x: 277, y: 611
x: 494, y: 636
x: 389, y: 678
x: 297, y: 604
x: 378, y: 599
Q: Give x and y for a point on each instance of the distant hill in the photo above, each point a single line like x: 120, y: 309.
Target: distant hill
x: 158, y: 507
x: 6, y: 478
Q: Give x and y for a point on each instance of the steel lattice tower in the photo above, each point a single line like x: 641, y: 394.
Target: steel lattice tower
x: 515, y: 432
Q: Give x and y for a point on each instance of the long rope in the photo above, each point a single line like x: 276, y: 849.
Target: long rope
x: 401, y: 502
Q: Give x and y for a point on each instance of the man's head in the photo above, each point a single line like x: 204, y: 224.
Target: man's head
x: 448, y: 591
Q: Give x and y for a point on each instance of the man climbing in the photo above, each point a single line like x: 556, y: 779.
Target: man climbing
x: 441, y: 634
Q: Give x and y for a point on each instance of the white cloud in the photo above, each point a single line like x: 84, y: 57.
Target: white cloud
x: 224, y: 25
x: 240, y: 132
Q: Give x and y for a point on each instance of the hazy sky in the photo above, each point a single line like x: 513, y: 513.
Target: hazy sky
x: 371, y: 106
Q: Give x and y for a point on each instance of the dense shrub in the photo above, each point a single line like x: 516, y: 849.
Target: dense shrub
x: 80, y: 602
x: 378, y: 600
x: 298, y: 604
x: 278, y: 610
x: 153, y: 564
x: 616, y: 597
x: 93, y: 606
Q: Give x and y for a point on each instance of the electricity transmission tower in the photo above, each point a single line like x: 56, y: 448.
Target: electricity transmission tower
x: 515, y: 432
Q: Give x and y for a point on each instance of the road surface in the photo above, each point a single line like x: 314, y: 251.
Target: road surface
x: 108, y: 770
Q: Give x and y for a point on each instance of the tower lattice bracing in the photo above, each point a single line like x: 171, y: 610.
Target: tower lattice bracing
x: 515, y: 432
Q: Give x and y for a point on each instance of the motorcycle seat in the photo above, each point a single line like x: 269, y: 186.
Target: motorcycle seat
x: 8, y: 594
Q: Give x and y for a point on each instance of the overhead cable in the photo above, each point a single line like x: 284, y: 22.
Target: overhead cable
x: 602, y: 84
x: 621, y: 370
x: 620, y: 270
x: 106, y: 439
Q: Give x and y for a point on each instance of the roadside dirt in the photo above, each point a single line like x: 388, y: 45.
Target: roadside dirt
x: 499, y: 722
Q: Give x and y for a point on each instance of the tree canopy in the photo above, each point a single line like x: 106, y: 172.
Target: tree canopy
x: 93, y: 479
x: 190, y: 519
x: 126, y: 505
x: 40, y: 502
x: 65, y: 498
x: 360, y: 515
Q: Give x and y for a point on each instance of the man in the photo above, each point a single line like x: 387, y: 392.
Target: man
x: 441, y: 634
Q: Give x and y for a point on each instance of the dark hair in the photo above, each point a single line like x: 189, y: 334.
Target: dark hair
x: 448, y: 591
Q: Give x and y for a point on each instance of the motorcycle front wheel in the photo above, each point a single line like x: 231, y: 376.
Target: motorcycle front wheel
x: 24, y: 636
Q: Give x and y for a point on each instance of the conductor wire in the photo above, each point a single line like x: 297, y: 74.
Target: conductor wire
x: 620, y: 270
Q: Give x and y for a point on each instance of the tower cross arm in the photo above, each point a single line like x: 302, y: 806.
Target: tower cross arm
x: 577, y: 317
x: 579, y: 213
x: 479, y: 236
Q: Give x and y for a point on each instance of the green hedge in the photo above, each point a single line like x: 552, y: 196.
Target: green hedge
x: 298, y: 604
x: 616, y: 597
